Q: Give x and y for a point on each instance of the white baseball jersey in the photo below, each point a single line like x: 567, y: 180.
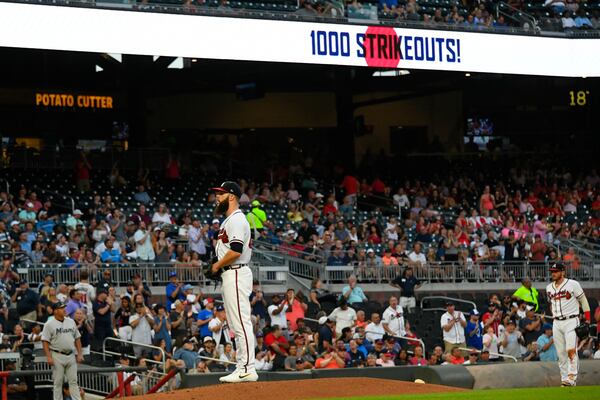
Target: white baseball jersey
x: 564, y: 300
x: 395, y: 320
x: 235, y: 228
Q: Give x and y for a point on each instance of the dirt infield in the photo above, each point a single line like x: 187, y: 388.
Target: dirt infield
x: 301, y: 389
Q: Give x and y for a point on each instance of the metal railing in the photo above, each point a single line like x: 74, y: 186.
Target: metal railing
x: 453, y: 299
x: 491, y: 353
x: 134, y: 344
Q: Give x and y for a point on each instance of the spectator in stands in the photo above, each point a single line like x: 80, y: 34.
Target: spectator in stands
x: 582, y: 21
x: 102, y: 317
x: 393, y: 319
x: 162, y: 327
x: 331, y: 360
x: 27, y: 301
x: 121, y: 318
x: 417, y: 259
x: 296, y: 309
x: 418, y: 357
x: 344, y: 317
x: 278, y: 346
x: 142, y: 196
x: 528, y: 293
x: 473, y: 355
x: 338, y: 258
x: 142, y: 323
x: 568, y: 23
x: 492, y: 317
x: 143, y: 248
x: 453, y: 324
x: 353, y: 294
x: 174, y: 289
x: 474, y: 331
x: 531, y: 326
x: 277, y: 313
x: 545, y: 345
x: 187, y: 354
x: 512, y: 340
x: 407, y: 283
x: 74, y: 220
x: 490, y: 345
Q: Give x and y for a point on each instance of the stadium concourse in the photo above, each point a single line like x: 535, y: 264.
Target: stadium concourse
x: 138, y: 243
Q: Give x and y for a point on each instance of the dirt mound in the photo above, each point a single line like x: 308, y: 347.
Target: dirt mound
x: 301, y: 389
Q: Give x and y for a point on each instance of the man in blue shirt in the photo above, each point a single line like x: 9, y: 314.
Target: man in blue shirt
x: 474, y: 331
x: 205, y: 316
x: 546, y: 345
x: 352, y: 293
x: 174, y: 290
x: 338, y: 258
x: 187, y: 354
x: 45, y: 224
x: 110, y: 254
x: 407, y: 283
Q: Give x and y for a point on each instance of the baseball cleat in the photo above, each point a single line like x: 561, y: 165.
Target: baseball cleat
x: 237, y: 377
x: 567, y: 383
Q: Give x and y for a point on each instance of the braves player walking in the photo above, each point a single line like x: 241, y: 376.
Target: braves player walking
x: 233, y: 253
x: 565, y: 296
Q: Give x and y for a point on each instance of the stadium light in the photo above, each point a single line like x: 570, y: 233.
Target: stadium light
x: 99, y: 68
x: 467, y: 74
x: 391, y: 73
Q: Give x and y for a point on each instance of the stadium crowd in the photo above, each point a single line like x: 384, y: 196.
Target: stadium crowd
x: 520, y: 217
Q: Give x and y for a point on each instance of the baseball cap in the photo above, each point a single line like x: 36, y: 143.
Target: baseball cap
x: 188, y: 287
x: 229, y: 187
x: 449, y: 303
x: 29, y: 204
x: 255, y: 203
x: 102, y: 290
x: 546, y: 327
x: 23, y: 282
x: 207, y: 339
x: 388, y: 354
x: 474, y: 312
x: 299, y: 360
x: 379, y: 341
x: 558, y: 266
x: 60, y: 304
x: 220, y: 308
x: 216, y: 221
x: 356, y: 336
x: 14, y: 223
x: 77, y: 212
x: 259, y: 334
x: 172, y: 274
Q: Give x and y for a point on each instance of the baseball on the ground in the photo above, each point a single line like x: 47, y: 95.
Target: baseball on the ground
x: 419, y: 381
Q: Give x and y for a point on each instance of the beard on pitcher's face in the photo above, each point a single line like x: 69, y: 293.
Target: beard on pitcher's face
x: 222, y: 206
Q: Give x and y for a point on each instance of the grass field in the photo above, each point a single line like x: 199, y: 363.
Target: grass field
x: 546, y: 393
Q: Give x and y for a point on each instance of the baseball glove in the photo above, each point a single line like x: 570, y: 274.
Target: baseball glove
x: 583, y: 330
x: 208, y: 274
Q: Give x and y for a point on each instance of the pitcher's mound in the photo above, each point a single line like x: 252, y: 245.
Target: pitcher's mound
x: 301, y: 389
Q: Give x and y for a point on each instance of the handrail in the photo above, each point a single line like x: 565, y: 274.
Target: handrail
x: 149, y: 346
x: 491, y: 353
x: 403, y: 337
x: 217, y: 360
x: 445, y: 298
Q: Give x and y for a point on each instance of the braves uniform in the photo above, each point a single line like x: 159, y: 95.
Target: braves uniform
x: 564, y: 302
x: 61, y: 337
x: 237, y: 286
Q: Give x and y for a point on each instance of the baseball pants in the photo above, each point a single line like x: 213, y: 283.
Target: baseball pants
x: 565, y: 339
x: 408, y: 303
x: 237, y: 286
x: 65, y: 367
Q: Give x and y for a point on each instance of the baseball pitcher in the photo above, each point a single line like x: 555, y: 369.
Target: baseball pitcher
x: 565, y: 296
x: 233, y: 254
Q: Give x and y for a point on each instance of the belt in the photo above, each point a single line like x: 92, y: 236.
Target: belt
x: 565, y: 318
x: 236, y: 266
x: 66, y: 353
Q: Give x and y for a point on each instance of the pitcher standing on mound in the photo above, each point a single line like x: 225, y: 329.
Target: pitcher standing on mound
x: 233, y: 253
x: 565, y: 296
